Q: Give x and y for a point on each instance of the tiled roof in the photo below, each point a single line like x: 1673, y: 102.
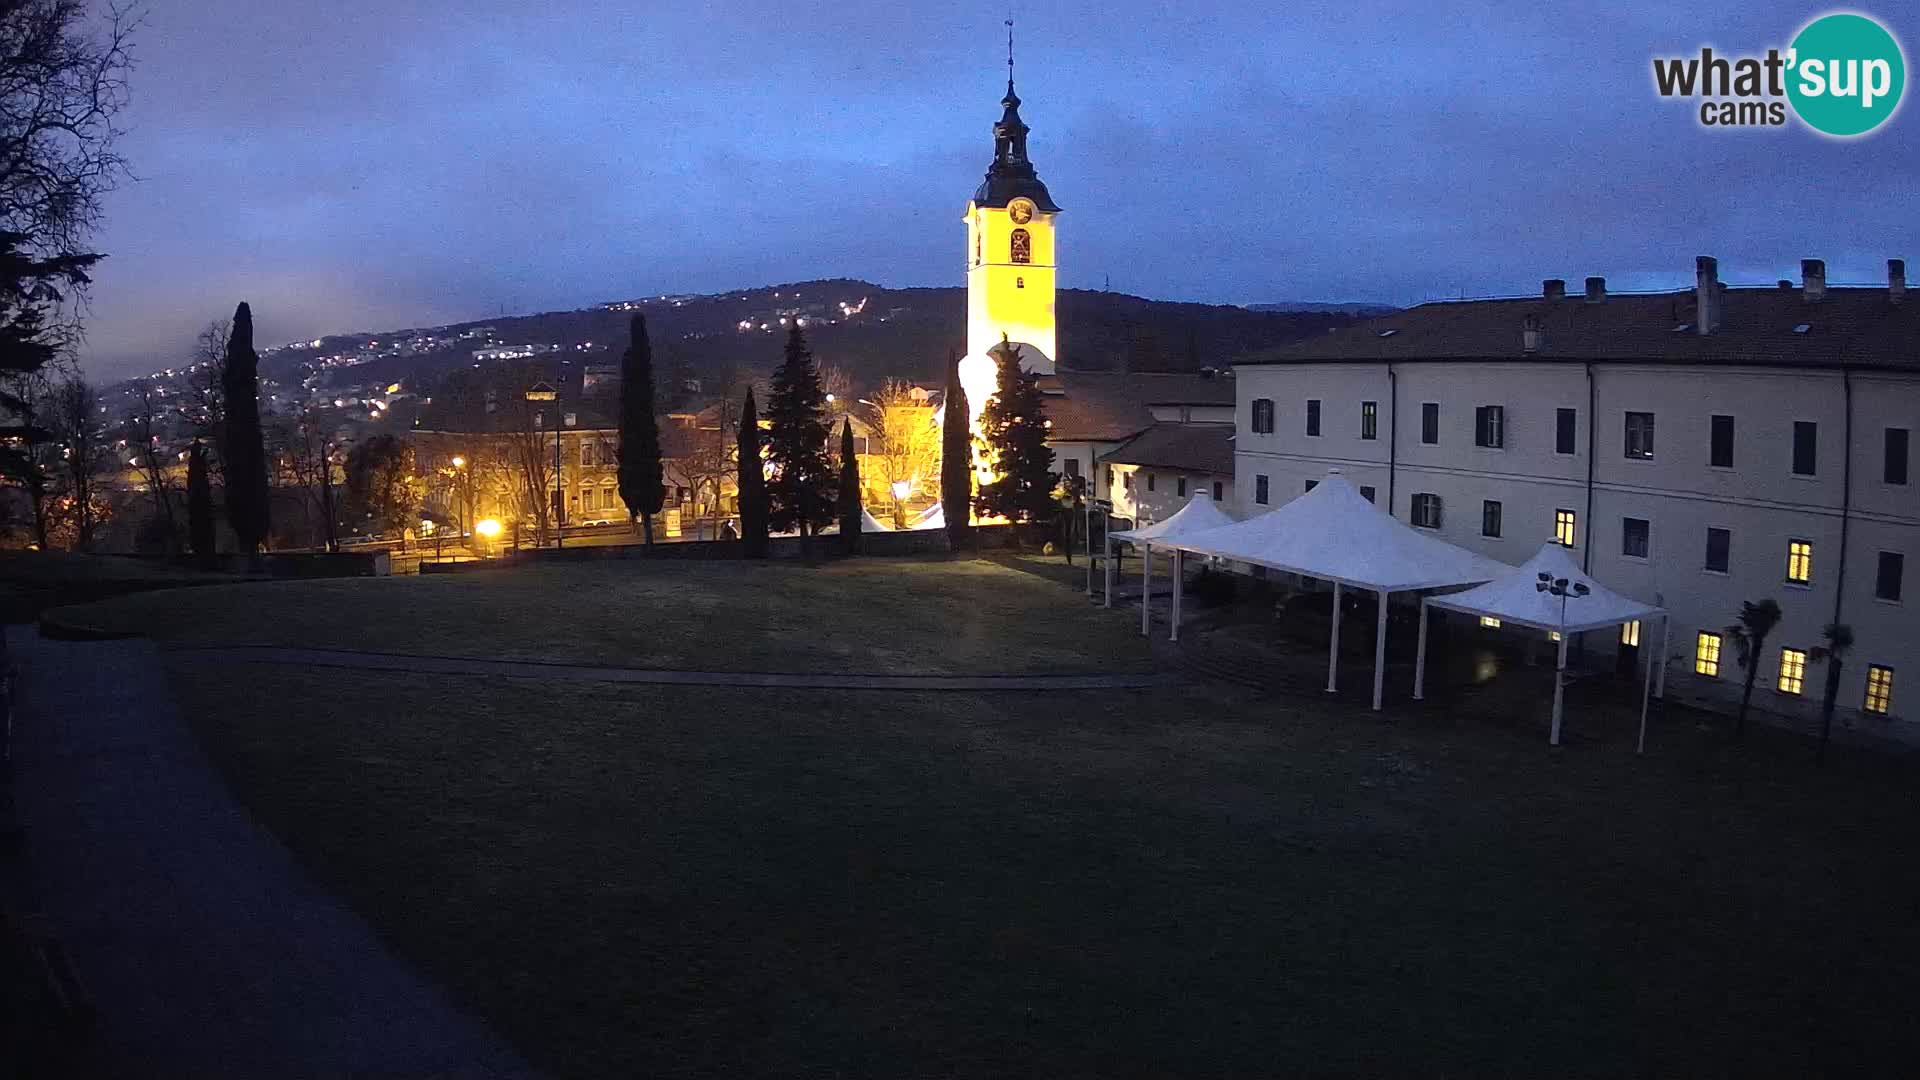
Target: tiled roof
x: 1194, y: 447
x: 1852, y: 326
x: 1106, y: 406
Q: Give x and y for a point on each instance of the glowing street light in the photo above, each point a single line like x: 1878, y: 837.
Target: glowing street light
x: 487, y: 527
x: 901, y: 489
x: 459, y: 462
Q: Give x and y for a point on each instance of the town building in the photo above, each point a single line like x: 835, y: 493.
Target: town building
x: 1697, y: 449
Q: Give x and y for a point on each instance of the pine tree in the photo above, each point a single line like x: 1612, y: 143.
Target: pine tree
x: 753, y: 485
x: 801, y: 490
x: 956, y: 459
x: 849, y: 491
x: 244, y: 454
x: 1014, y: 427
x: 199, y: 502
x: 640, y: 484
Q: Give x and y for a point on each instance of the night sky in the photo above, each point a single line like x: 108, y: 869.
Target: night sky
x: 360, y: 165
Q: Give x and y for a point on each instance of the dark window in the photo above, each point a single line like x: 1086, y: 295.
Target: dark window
x: 1633, y: 537
x: 1262, y: 416
x: 1806, y: 438
x: 1072, y: 466
x: 1563, y: 428
x: 1366, y: 492
x: 1490, y: 426
x: 1219, y: 491
x: 1313, y: 416
x: 1640, y: 435
x: 1260, y: 490
x: 1893, y: 566
x: 1180, y: 486
x: 1150, y: 480
x: 1311, y: 484
x: 1430, y: 423
x: 1126, y: 481
x: 1719, y: 547
x: 1109, y: 478
x: 1369, y: 419
x: 1490, y: 518
x: 1426, y: 511
x: 1896, y: 455
x: 1022, y: 246
x: 1720, y: 449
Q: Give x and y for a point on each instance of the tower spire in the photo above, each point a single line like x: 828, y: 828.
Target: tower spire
x: 1009, y: 54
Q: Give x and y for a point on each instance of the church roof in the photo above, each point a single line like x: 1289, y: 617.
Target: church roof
x: 1012, y: 176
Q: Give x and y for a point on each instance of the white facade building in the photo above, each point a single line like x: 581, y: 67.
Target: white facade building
x: 1696, y: 449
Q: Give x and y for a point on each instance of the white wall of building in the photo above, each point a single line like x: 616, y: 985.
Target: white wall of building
x: 1759, y: 499
x: 1146, y: 493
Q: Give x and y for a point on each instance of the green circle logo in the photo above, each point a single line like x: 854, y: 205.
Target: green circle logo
x: 1846, y: 74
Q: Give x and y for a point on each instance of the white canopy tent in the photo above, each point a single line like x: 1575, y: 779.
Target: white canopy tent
x: 933, y: 517
x: 1335, y: 534
x: 869, y: 523
x: 1532, y: 595
x: 1200, y: 514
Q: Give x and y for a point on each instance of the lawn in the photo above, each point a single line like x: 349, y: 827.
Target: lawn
x: 646, y: 881
x: 891, y: 616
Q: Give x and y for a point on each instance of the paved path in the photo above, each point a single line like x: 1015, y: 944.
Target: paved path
x: 205, y: 947
x: 451, y: 665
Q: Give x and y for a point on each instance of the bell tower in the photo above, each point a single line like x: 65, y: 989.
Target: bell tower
x: 1010, y: 246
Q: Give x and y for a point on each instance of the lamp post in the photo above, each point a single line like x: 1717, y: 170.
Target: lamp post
x: 1561, y: 588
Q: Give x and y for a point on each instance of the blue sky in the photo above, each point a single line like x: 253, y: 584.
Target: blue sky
x: 366, y: 166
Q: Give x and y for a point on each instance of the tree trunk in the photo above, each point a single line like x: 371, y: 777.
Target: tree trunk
x: 1746, y: 698
x: 646, y: 525
x: 1826, y: 709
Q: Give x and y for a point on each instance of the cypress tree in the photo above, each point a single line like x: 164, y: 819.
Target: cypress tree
x: 1014, y: 427
x: 801, y: 490
x: 956, y: 459
x: 849, y: 491
x: 199, y: 502
x: 753, y: 485
x: 640, y: 484
x: 244, y: 454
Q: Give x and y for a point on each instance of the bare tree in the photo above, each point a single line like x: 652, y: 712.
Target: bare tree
x: 904, y: 435
x: 30, y: 451
x: 836, y: 384
x: 144, y: 430
x: 530, y: 447
x: 313, y: 459
x: 86, y: 459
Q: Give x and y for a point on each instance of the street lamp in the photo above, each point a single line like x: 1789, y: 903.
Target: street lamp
x: 1561, y: 588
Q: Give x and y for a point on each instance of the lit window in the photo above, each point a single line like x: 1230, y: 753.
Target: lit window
x: 1490, y: 622
x: 1879, y: 689
x: 1793, y: 670
x: 1630, y: 633
x: 1706, y: 654
x: 1553, y: 635
x: 1563, y: 527
x: 1799, y: 561
x: 586, y: 498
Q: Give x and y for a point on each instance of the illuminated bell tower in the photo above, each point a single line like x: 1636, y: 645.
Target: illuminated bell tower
x: 1010, y: 247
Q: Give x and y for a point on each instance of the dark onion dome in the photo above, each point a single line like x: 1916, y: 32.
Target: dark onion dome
x: 1011, y: 175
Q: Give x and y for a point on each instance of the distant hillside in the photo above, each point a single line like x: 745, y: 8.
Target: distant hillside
x: 1365, y: 311
x: 870, y: 331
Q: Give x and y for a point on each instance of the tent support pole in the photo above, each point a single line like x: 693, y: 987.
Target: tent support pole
x: 1658, y: 660
x: 1420, y: 657
x: 1146, y: 587
x: 1107, y: 566
x: 1086, y: 523
x: 1559, y: 690
x: 1380, y: 652
x: 1646, y: 695
x: 1175, y: 620
x: 1333, y: 649
x: 1660, y: 680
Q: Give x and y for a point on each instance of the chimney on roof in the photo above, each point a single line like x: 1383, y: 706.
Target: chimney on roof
x: 1596, y: 290
x: 1706, y: 294
x: 1554, y: 288
x: 1530, y: 335
x: 1896, y: 280
x: 1813, y: 279
x: 1785, y: 284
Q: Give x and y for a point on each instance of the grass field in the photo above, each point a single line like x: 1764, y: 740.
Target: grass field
x: 644, y: 881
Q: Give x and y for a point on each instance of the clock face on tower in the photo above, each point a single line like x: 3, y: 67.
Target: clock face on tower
x: 1020, y: 210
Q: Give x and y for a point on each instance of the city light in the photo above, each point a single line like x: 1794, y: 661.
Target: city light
x: 487, y: 527
x: 459, y: 462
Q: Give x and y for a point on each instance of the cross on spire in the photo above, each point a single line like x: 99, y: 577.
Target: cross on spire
x: 1009, y: 51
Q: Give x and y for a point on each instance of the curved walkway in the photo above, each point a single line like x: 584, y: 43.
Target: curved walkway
x: 454, y: 665
x: 206, y: 948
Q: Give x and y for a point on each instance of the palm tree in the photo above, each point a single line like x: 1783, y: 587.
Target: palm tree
x: 1749, y: 640
x: 1839, y: 639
